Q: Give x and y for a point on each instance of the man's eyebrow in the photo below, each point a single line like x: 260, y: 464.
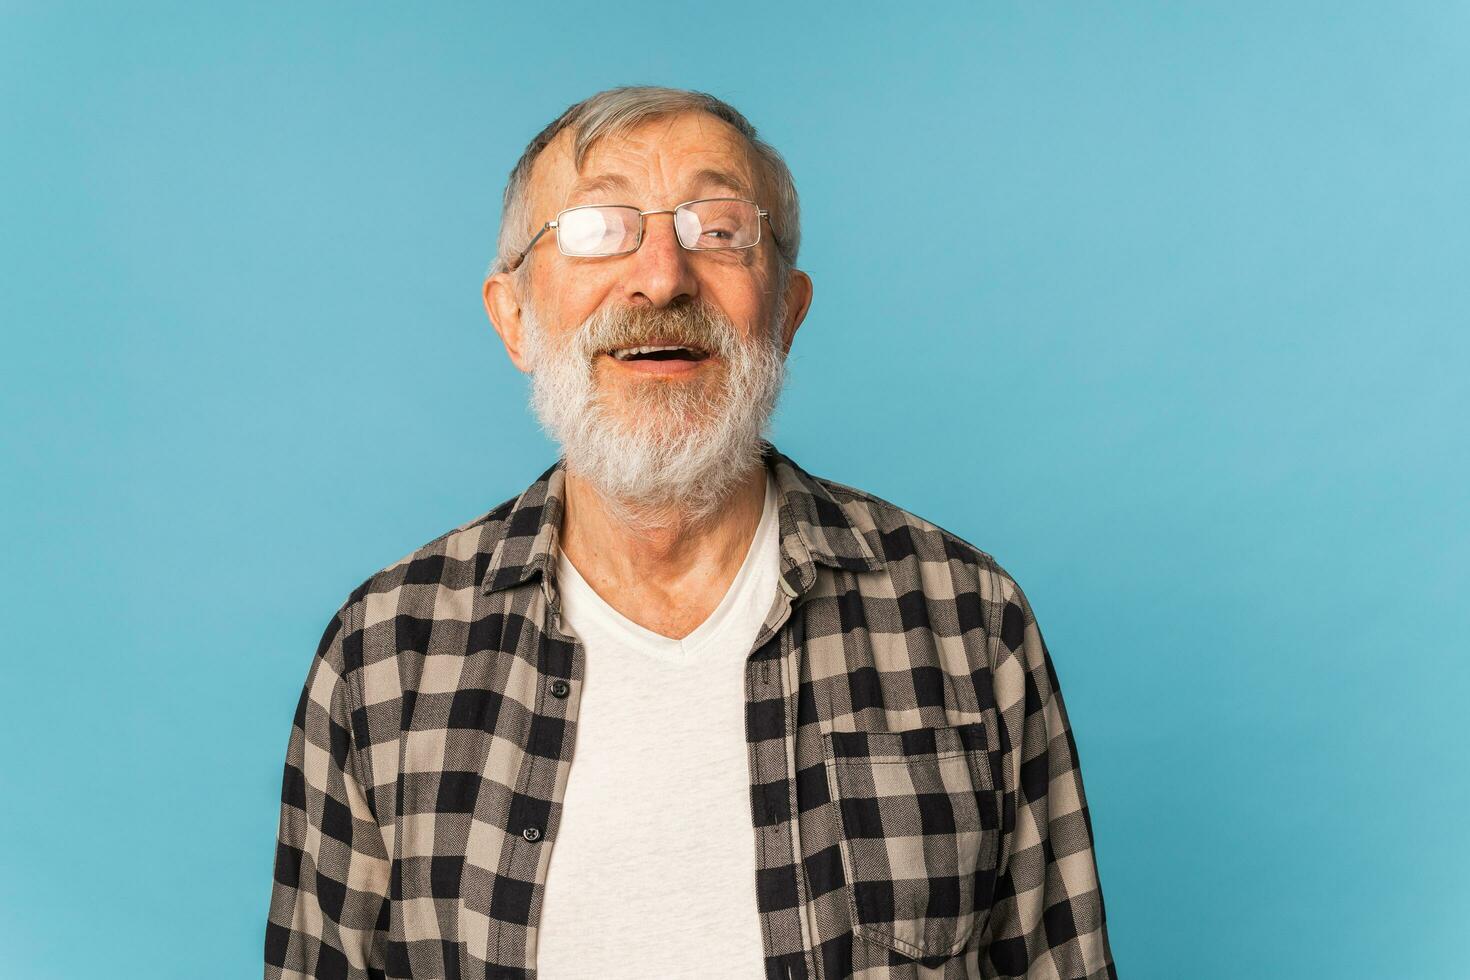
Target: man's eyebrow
x: 602, y: 182
x: 728, y: 181
x: 617, y: 182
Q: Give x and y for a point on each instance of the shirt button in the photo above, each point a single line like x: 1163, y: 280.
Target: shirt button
x: 559, y: 688
x: 531, y: 834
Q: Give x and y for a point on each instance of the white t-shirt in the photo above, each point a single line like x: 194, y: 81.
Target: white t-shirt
x: 652, y: 873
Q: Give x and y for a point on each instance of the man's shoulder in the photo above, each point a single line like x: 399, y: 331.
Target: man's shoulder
x: 453, y: 560
x: 898, y: 535
x: 920, y: 557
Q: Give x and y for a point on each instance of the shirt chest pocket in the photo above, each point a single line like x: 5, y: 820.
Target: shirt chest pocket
x: 919, y: 834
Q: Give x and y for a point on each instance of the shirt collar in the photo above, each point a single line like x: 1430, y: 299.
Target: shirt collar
x: 814, y: 528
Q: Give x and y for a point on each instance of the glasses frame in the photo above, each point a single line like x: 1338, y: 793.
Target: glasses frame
x: 556, y: 223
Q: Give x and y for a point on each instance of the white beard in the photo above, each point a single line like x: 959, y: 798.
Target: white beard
x: 658, y: 450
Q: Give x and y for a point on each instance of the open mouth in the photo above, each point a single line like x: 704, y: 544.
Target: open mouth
x: 659, y: 353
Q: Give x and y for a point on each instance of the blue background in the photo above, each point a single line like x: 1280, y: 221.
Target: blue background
x: 1163, y: 305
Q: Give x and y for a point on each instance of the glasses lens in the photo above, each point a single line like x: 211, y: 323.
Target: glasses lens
x: 603, y: 230
x: 718, y: 223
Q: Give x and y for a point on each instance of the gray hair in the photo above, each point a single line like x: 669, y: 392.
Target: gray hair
x: 616, y: 111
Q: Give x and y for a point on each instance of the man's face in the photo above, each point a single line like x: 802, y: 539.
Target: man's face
x: 652, y: 431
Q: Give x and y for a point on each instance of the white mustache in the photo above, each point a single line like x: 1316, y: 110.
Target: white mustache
x: 697, y: 326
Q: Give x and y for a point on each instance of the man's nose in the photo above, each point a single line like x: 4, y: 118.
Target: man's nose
x: 661, y: 272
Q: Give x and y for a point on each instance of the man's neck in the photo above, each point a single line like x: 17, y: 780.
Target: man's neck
x: 666, y: 578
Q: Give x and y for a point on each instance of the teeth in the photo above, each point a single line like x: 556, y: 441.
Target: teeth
x: 623, y: 353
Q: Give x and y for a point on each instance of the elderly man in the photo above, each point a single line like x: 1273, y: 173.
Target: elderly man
x: 679, y: 708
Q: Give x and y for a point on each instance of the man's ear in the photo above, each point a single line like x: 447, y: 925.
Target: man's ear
x: 798, y: 301
x: 503, y: 306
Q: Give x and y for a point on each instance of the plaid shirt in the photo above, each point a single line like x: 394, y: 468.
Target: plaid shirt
x: 916, y: 803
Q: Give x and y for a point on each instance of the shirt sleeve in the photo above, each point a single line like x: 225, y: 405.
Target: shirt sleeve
x: 1047, y: 917
x: 328, y: 908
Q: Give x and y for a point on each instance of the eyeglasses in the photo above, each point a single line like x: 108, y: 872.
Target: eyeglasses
x: 709, y: 224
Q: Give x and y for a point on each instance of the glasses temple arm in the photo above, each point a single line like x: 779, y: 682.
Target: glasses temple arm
x: 533, y: 241
x: 767, y: 216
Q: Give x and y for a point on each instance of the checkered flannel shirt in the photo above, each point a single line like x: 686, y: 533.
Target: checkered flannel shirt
x: 915, y: 799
